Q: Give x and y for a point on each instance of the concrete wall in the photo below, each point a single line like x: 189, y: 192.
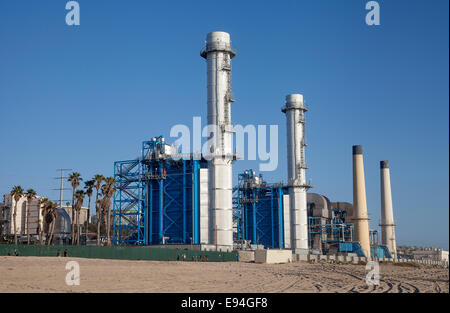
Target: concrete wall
x: 246, y: 256
x: 355, y: 259
x: 273, y: 256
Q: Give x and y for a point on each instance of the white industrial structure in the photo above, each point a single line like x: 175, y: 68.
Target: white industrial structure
x: 387, y: 215
x: 295, y: 125
x: 204, y: 206
x: 422, y: 253
x: 28, y: 215
x: 218, y: 54
x: 360, y: 218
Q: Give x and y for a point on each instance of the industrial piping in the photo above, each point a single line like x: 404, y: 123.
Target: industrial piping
x: 387, y: 215
x: 295, y: 123
x: 360, y: 218
x: 218, y: 54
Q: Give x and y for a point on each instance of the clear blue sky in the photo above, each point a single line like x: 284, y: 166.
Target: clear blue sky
x: 84, y: 97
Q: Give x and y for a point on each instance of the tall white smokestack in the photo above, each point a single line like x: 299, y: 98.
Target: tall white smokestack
x: 295, y: 123
x: 218, y: 55
x: 387, y: 215
x: 360, y: 217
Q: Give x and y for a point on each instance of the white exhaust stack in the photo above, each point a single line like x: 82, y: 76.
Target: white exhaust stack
x: 360, y: 217
x: 387, y: 215
x: 218, y: 55
x: 295, y: 118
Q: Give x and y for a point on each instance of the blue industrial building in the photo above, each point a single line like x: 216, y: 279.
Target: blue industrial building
x: 157, y: 198
x: 260, y: 219
x: 158, y: 202
x: 259, y: 214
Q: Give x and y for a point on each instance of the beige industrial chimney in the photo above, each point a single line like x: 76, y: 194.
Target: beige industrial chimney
x: 360, y: 218
x: 387, y: 215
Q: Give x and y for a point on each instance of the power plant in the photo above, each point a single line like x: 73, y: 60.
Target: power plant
x: 166, y: 200
x: 226, y: 153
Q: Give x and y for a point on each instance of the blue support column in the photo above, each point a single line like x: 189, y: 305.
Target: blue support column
x: 271, y: 216
x: 254, y: 216
x: 150, y: 211
x: 114, y: 213
x: 184, y: 201
x: 246, y: 234
x: 281, y: 217
x: 145, y: 208
x: 141, y: 215
x: 161, y: 206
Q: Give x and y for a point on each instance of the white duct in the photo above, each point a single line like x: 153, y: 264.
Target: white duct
x: 294, y: 110
x: 204, y: 206
x: 218, y: 55
x: 387, y: 215
x: 287, y: 222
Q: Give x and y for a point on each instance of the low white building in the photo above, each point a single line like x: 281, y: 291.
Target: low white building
x: 423, y: 253
x: 35, y: 216
x: 22, y: 221
x: 433, y: 254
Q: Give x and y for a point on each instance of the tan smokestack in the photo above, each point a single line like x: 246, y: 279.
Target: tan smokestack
x: 360, y: 218
x: 387, y: 215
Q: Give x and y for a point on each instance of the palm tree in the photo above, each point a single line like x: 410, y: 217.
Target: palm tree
x: 89, y: 186
x: 108, y: 191
x: 16, y: 194
x: 98, y: 179
x: 79, y: 196
x: 51, y: 216
x: 31, y: 194
x: 74, y: 180
x: 41, y: 213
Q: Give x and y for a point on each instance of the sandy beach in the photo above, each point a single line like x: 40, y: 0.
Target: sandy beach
x: 48, y: 274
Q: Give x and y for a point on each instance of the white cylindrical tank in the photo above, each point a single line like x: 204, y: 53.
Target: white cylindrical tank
x: 387, y: 214
x: 218, y: 55
x: 295, y: 124
x: 360, y: 218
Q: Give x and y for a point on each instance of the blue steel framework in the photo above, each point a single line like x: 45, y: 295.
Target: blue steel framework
x: 157, y: 198
x: 377, y: 250
x: 128, y: 206
x: 258, y: 211
x: 334, y: 230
